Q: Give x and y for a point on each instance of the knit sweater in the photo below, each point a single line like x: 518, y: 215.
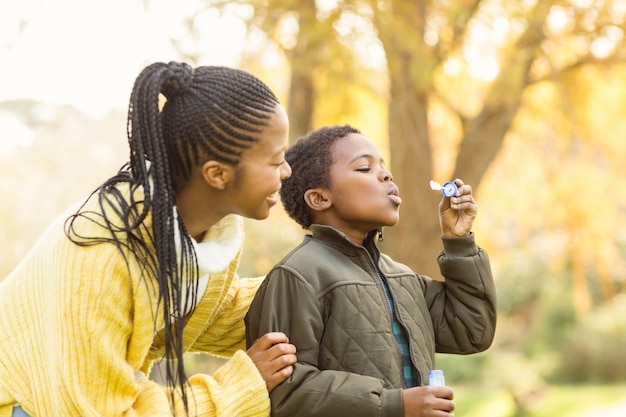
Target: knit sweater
x: 79, y: 330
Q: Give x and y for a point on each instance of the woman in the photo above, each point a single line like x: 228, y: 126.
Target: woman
x: 145, y: 267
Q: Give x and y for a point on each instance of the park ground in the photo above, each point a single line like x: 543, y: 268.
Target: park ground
x: 554, y: 401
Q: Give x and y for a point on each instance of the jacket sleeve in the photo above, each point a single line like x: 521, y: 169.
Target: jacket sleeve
x: 286, y: 302
x: 463, y: 307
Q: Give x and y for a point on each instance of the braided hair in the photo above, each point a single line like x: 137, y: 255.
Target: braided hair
x: 310, y: 159
x: 210, y: 113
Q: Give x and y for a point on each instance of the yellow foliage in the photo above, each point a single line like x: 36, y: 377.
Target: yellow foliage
x: 559, y: 178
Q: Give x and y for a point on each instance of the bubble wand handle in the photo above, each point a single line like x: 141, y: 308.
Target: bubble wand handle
x: 435, y: 378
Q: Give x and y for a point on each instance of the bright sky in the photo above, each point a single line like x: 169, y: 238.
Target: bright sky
x: 88, y: 53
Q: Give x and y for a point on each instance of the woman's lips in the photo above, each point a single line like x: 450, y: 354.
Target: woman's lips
x: 272, y: 198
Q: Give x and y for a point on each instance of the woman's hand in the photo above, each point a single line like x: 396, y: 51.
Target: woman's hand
x: 274, y: 357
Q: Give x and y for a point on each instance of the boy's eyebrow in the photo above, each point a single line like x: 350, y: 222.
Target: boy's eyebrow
x: 367, y: 156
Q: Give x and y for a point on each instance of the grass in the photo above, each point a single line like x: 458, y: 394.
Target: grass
x: 555, y: 401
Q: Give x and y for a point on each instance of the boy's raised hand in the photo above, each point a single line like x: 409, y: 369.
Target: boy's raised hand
x: 457, y: 214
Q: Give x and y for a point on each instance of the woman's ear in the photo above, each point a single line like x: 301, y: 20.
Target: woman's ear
x: 217, y: 174
x: 317, y: 199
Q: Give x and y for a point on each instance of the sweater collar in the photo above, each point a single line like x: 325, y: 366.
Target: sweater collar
x: 220, y: 245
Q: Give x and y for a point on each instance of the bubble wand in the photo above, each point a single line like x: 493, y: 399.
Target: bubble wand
x: 449, y: 189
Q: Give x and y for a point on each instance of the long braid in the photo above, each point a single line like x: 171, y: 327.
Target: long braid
x: 209, y: 113
x: 170, y: 279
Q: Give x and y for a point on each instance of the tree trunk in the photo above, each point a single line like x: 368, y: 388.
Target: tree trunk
x: 302, y: 60
x: 301, y: 102
x: 416, y: 239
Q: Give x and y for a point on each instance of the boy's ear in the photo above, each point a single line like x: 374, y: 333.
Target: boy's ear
x: 317, y: 199
x: 217, y: 174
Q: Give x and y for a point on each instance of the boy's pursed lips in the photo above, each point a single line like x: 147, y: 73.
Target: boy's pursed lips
x: 394, y: 194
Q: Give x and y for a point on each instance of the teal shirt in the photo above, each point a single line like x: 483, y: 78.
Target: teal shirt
x: 408, y: 370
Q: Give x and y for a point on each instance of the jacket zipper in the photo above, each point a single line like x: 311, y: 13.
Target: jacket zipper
x: 391, y: 309
x: 408, y: 339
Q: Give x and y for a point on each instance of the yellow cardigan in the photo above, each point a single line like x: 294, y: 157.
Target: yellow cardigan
x: 78, y: 332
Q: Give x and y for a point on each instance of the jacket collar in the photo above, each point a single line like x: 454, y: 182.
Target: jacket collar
x: 343, y: 243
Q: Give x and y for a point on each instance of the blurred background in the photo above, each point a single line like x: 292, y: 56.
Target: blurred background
x: 523, y: 99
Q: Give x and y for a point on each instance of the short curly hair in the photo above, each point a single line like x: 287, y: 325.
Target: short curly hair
x: 310, y: 159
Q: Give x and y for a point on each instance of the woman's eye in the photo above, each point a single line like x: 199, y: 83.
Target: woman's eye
x: 364, y: 169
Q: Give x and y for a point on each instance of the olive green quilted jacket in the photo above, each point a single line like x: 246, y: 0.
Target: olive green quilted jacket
x: 327, y: 296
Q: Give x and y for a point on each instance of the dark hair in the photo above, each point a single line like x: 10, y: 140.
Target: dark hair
x: 210, y: 112
x: 310, y: 159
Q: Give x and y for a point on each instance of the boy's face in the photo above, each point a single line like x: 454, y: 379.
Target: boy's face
x: 362, y: 194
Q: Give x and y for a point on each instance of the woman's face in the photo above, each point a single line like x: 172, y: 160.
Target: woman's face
x: 262, y: 169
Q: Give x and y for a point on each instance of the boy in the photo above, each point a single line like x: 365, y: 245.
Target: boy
x: 366, y: 327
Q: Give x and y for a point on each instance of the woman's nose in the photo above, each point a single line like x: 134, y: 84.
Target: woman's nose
x: 285, y: 171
